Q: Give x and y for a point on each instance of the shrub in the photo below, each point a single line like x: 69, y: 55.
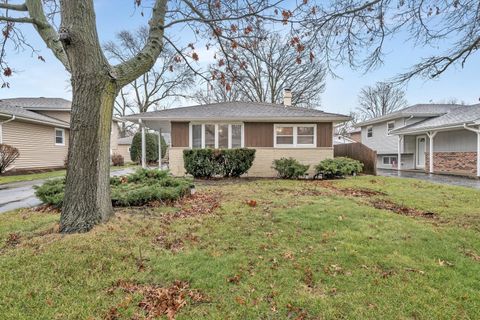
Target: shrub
x: 202, y: 163
x: 290, y: 168
x: 136, y: 189
x: 206, y: 163
x: 338, y: 167
x: 236, y: 162
x: 8, y: 155
x: 117, y: 160
x: 151, y: 144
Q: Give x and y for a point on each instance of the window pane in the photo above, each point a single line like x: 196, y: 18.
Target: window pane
x: 305, y: 140
x: 285, y: 140
x: 236, y: 136
x: 209, y: 136
x: 58, y: 136
x: 58, y: 140
x: 223, y: 136
x: 196, y: 136
x: 284, y: 131
x: 391, y: 125
x: 305, y: 131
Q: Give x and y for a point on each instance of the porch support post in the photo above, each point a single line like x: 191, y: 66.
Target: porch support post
x: 431, y: 135
x: 160, y: 149
x: 399, y: 152
x: 477, y: 131
x: 144, y: 147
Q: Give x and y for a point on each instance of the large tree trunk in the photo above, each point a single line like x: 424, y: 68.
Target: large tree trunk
x: 87, y: 192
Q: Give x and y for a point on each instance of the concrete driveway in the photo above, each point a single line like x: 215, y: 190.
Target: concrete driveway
x: 434, y: 178
x: 22, y: 194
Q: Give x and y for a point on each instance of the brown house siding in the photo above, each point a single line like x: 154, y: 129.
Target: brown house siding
x: 258, y: 134
x: 180, y: 136
x: 324, y: 134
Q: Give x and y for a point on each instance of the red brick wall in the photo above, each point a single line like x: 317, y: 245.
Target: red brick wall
x: 453, y: 162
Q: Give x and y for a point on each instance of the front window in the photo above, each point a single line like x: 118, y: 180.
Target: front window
x: 369, y: 132
x: 390, y: 160
x: 221, y: 136
x: 59, y: 137
x: 390, y: 126
x: 291, y: 136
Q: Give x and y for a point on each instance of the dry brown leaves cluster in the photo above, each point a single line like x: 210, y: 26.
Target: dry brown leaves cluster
x: 13, y: 239
x: 402, y: 210
x: 158, y: 301
x: 200, y: 203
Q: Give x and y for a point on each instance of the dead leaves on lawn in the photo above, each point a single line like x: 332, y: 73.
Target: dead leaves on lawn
x: 157, y: 301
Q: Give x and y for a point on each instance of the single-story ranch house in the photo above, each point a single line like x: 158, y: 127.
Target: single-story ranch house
x: 273, y: 130
x: 39, y: 129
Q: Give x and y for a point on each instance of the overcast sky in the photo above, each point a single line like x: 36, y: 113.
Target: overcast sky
x: 34, y: 78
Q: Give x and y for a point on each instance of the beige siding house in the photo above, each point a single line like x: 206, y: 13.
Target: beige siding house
x: 123, y: 148
x: 39, y: 129
x: 273, y: 130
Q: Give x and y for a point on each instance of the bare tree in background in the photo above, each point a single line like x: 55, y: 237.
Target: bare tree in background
x: 156, y: 88
x: 264, y: 70
x: 379, y: 100
x: 356, y: 32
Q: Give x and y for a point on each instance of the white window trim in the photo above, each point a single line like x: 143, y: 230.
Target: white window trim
x: 63, y: 136
x: 390, y: 157
x: 369, y: 127
x: 295, y: 135
x: 242, y: 135
x: 388, y: 130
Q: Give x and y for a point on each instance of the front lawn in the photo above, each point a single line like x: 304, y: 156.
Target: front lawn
x: 361, y: 248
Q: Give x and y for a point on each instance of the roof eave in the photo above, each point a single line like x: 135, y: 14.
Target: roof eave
x: 253, y: 119
x: 53, y: 124
x: 436, y: 128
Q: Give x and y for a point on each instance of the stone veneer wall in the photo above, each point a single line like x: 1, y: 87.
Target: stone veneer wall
x: 453, y: 162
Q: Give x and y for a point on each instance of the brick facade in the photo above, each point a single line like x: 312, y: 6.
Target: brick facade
x: 453, y: 162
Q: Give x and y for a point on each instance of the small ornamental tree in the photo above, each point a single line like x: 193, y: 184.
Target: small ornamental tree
x: 151, y: 144
x: 8, y: 155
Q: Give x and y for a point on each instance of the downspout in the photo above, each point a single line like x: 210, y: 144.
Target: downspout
x: 1, y: 126
x: 477, y: 131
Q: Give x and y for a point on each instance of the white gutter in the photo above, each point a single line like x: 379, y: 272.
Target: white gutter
x: 59, y: 125
x: 1, y: 127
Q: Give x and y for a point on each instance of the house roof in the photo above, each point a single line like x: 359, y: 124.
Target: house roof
x: 254, y: 111
x: 31, y: 116
x: 41, y: 103
x: 456, y: 117
x: 125, y: 140
x: 417, y: 110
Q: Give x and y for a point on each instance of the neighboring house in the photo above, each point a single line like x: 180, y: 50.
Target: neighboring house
x: 444, y: 135
x: 342, y: 139
x: 355, y: 135
x: 39, y: 129
x: 274, y: 130
x: 123, y: 148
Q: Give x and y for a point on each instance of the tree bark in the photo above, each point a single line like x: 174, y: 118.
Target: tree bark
x: 87, y: 191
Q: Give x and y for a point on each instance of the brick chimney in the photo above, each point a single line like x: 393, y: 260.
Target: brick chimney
x: 287, y: 97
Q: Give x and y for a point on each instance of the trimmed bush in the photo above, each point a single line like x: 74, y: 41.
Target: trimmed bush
x: 151, y: 143
x: 136, y: 189
x: 117, y: 160
x: 206, y: 163
x: 8, y: 155
x: 339, y: 167
x: 202, y: 163
x: 290, y: 168
x: 236, y: 162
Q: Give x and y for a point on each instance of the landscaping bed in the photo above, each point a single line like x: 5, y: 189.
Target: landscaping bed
x: 260, y: 249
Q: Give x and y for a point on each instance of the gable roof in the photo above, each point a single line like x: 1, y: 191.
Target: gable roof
x: 31, y: 116
x: 254, y: 111
x: 456, y: 117
x: 44, y: 104
x: 417, y: 110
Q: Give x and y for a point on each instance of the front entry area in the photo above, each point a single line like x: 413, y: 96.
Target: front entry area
x: 420, y: 152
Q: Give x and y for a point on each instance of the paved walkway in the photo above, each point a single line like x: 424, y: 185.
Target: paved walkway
x: 18, y: 195
x: 434, y: 178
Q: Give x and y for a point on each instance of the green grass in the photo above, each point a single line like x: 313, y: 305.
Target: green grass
x: 303, y: 250
x: 42, y: 175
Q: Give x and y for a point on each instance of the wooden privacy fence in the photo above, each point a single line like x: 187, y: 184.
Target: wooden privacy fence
x: 358, y: 152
